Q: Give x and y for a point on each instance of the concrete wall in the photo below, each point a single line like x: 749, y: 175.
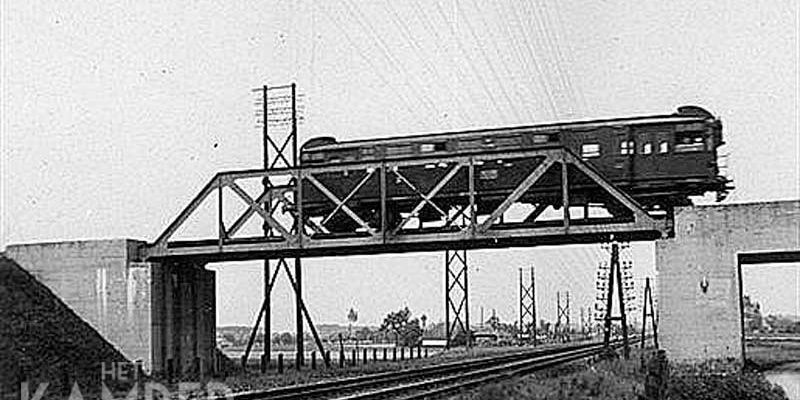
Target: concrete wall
x: 696, y: 324
x: 148, y: 311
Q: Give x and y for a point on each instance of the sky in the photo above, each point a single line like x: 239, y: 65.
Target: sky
x: 115, y: 114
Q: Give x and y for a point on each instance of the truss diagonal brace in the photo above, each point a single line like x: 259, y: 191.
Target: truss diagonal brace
x: 349, y: 196
x: 426, y: 199
x: 239, y: 223
x: 253, y: 205
x: 338, y: 202
x: 212, y: 185
x: 639, y: 213
x: 529, y: 181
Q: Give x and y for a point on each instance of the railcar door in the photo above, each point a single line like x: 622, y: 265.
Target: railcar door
x: 622, y: 153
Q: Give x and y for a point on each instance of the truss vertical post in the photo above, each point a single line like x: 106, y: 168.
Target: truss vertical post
x: 648, y: 301
x: 456, y: 295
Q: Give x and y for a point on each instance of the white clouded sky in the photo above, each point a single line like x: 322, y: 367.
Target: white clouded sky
x: 114, y: 115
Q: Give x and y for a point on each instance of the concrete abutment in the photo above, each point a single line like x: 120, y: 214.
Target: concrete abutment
x: 160, y: 314
x: 698, y: 274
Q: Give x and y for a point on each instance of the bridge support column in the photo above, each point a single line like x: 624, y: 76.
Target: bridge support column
x: 298, y: 300
x: 456, y: 296
x: 267, y: 309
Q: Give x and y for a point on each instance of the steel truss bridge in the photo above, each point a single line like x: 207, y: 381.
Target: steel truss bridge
x: 279, y: 206
x: 454, y: 209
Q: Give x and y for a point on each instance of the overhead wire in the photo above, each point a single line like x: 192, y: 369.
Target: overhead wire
x: 516, y: 49
x: 387, y: 82
x: 502, y: 57
x: 394, y: 63
x: 553, y: 34
x: 482, y: 49
x: 437, y: 40
x: 570, y: 58
x: 533, y: 56
x: 466, y: 55
x: 540, y: 40
x: 409, y: 37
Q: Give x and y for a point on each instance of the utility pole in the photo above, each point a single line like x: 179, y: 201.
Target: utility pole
x: 615, y: 278
x: 527, y: 306
x: 648, y: 301
x: 563, y: 314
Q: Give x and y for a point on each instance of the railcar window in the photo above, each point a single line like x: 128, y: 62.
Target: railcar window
x: 429, y: 147
x: 590, y: 150
x: 647, y: 148
x: 689, y: 141
x: 399, y: 150
x: 367, y: 151
x: 471, y: 144
x: 663, y: 147
x: 539, y: 139
x: 507, y: 141
x: 626, y: 147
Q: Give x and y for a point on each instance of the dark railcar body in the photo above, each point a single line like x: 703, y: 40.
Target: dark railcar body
x: 659, y: 160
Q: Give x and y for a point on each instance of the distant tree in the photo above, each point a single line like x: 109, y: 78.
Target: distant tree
x: 287, y: 339
x: 423, y: 319
x: 406, y: 331
x: 229, y: 337
x: 364, y: 334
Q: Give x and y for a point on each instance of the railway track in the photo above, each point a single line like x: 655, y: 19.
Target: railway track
x: 432, y: 381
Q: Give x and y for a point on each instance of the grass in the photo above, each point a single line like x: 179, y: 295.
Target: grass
x: 252, y: 379
x: 624, y: 379
x: 763, y: 356
x: 616, y: 379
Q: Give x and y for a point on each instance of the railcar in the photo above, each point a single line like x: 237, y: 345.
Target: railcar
x: 659, y: 160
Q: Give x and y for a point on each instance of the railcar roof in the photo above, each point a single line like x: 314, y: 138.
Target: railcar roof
x: 544, y: 127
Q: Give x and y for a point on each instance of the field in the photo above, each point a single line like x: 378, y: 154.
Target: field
x: 764, y: 356
x: 624, y: 379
